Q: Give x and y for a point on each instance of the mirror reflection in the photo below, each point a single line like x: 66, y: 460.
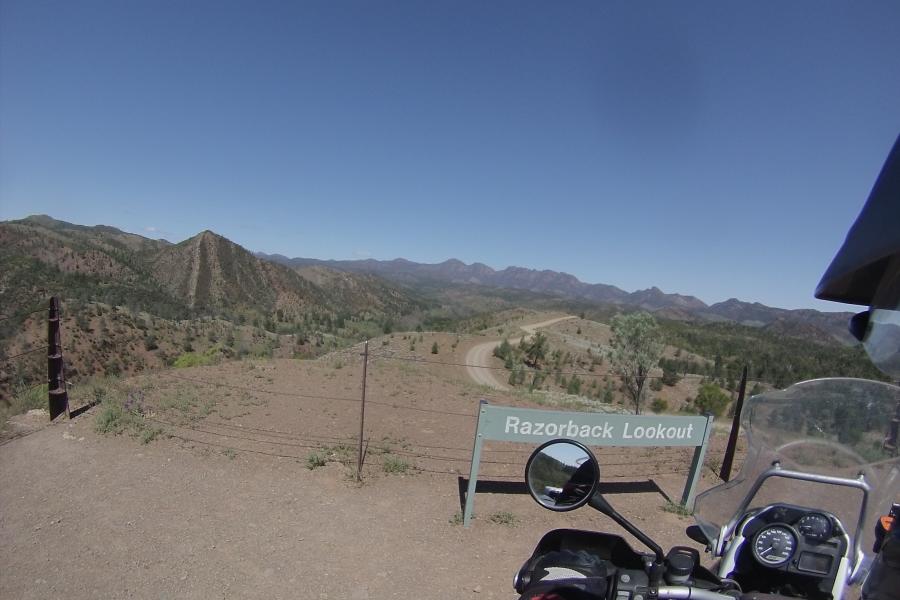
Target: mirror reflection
x: 562, y: 475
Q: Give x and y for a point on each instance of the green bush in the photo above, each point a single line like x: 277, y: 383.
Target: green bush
x: 198, y: 359
x: 711, y: 399
x: 659, y: 405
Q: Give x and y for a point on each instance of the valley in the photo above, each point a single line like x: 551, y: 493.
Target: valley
x: 204, y: 372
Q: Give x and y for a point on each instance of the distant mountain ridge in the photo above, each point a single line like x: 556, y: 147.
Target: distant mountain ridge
x: 209, y: 274
x: 809, y: 323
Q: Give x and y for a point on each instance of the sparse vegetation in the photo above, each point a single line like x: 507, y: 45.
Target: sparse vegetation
x: 23, y: 400
x: 504, y: 518
x: 395, y: 465
x: 198, y: 359
x: 677, y: 508
x: 119, y: 415
x: 314, y: 460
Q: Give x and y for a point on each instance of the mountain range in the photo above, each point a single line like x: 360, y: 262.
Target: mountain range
x: 808, y: 323
x: 131, y: 303
x: 208, y: 274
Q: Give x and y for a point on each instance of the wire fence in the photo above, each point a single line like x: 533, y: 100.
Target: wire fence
x: 580, y: 373
x: 501, y: 461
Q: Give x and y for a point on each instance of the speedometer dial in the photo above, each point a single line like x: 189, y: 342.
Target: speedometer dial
x: 774, y: 545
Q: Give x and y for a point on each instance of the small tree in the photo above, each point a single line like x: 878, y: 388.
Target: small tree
x: 434, y: 348
x: 536, y: 350
x: 636, y: 347
x: 574, y: 386
x: 670, y: 377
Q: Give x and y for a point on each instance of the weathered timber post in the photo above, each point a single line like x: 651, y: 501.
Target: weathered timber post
x: 57, y: 395
x: 728, y: 459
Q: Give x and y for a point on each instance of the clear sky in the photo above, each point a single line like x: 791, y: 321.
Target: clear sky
x: 710, y: 148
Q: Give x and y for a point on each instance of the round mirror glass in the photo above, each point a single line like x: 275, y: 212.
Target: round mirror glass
x: 562, y: 475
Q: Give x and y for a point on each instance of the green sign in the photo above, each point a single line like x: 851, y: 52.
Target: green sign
x: 533, y: 426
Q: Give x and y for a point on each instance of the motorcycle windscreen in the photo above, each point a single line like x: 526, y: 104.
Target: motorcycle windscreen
x: 838, y: 427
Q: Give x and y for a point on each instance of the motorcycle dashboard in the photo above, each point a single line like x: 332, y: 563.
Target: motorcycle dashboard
x: 794, y: 539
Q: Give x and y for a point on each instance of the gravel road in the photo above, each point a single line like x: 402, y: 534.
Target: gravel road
x: 479, y: 356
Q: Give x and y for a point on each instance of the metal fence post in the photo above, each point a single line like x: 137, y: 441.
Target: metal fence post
x: 696, y: 472
x: 362, y: 412
x: 728, y: 459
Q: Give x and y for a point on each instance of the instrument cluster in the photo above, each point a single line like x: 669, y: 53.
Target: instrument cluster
x: 795, y: 539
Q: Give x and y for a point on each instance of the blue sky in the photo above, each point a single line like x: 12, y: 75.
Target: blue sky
x: 708, y: 148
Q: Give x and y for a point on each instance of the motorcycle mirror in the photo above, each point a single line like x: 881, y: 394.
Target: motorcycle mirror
x: 697, y: 534
x: 562, y: 475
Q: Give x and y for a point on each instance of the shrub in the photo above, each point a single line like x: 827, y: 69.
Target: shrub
x: 574, y: 386
x: 434, y: 348
x: 711, y: 399
x: 659, y: 405
x: 197, y: 359
x: 118, y: 416
x: 314, y: 460
x: 670, y: 377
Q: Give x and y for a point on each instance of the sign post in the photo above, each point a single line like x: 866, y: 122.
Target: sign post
x: 529, y: 425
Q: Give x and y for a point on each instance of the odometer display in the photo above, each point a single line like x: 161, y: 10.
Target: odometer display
x: 815, y: 526
x: 774, y: 545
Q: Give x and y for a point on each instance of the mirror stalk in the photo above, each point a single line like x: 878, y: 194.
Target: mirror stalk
x: 598, y: 502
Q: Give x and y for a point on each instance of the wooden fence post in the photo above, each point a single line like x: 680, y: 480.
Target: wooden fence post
x: 57, y: 395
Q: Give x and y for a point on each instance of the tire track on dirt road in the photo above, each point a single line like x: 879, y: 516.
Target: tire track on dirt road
x: 478, y: 357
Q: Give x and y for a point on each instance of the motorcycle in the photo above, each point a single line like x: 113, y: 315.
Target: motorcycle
x: 821, y: 460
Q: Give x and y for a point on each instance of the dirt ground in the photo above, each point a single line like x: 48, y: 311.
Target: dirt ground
x: 223, y: 505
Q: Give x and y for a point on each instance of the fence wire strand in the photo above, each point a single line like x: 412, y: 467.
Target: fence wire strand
x: 6, y: 359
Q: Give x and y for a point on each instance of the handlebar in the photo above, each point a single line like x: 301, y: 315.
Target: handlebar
x: 683, y: 592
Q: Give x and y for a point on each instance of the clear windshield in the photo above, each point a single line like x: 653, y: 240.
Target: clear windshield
x: 835, y: 427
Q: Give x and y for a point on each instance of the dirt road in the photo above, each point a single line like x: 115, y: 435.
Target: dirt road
x: 479, y: 356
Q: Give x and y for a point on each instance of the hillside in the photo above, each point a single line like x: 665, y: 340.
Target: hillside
x: 811, y: 324
x: 132, y: 303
